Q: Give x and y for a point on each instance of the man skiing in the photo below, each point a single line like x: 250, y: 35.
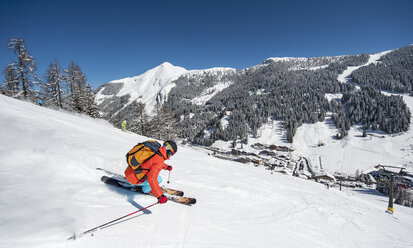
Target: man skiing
x: 146, y: 174
x: 124, y: 125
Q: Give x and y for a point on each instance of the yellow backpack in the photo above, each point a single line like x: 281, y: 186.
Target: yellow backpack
x: 139, y: 154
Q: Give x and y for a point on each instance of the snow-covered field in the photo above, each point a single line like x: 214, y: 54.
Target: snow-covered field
x: 49, y: 189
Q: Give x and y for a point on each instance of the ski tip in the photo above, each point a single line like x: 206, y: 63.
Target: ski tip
x: 189, y: 201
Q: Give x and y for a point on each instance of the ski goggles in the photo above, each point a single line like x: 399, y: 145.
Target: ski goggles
x: 169, y: 150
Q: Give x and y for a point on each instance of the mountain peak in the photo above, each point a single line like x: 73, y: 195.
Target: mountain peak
x: 146, y: 88
x: 166, y: 69
x: 166, y: 64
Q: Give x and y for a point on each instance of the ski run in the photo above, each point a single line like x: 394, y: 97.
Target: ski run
x: 50, y: 190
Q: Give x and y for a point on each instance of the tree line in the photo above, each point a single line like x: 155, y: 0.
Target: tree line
x: 394, y: 72
x: 273, y: 91
x: 61, y: 88
x: 373, y: 110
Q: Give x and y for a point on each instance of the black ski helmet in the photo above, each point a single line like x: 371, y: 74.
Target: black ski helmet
x: 171, y: 144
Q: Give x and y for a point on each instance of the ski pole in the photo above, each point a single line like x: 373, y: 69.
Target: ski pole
x: 95, y: 228
x: 169, y: 176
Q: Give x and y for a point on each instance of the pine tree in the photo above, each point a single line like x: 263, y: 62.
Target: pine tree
x: 170, y: 124
x: 154, y: 125
x: 53, y: 90
x: 11, y: 85
x: 163, y: 126
x: 91, y: 107
x: 140, y: 124
x: 71, y: 77
x: 77, y: 84
x: 24, y: 67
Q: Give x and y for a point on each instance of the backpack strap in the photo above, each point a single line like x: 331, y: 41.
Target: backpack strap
x: 154, y: 146
x: 160, y: 154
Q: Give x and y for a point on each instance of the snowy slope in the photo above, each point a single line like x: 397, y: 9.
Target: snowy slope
x: 356, y: 152
x: 219, y: 85
x: 147, y: 86
x: 208, y: 93
x: 49, y: 188
x: 345, y: 77
x: 344, y: 156
x: 347, y: 155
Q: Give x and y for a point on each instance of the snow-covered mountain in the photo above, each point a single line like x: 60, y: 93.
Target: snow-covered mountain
x: 117, y: 98
x: 50, y: 189
x: 209, y: 89
x: 119, y: 95
x: 281, y: 99
x: 301, y: 63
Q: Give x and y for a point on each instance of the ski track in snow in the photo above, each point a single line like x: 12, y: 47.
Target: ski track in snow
x: 50, y: 189
x: 209, y: 93
x: 345, y: 77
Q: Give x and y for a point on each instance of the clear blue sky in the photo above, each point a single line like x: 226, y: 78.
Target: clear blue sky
x: 116, y: 39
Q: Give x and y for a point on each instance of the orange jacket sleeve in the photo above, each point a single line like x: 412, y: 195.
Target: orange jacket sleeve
x: 155, y: 165
x: 153, y: 178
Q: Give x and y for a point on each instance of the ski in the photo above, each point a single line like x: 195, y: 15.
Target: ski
x: 172, y: 191
x: 164, y: 189
x: 118, y: 182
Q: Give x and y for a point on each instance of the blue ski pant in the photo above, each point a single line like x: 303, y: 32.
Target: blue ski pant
x: 146, y: 188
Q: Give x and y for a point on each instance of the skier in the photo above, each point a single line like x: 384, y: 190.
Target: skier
x: 149, y: 170
x: 124, y: 125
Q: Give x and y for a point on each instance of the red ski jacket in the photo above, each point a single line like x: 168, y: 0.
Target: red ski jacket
x: 154, y: 165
